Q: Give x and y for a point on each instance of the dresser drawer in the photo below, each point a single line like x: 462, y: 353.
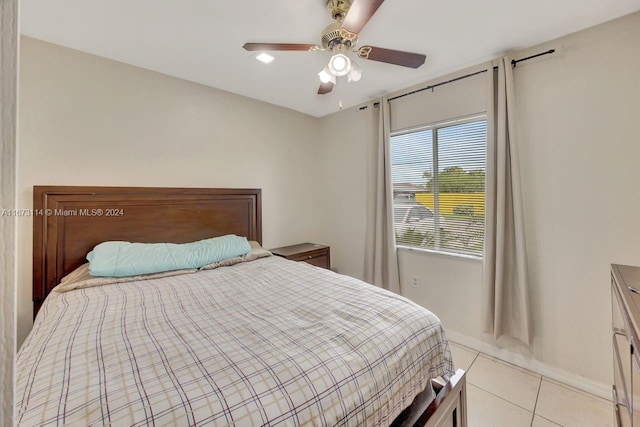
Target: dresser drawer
x: 619, y: 320
x: 622, y: 416
x: 622, y: 375
x: 625, y: 306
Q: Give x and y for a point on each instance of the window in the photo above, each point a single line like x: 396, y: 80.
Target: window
x: 442, y: 211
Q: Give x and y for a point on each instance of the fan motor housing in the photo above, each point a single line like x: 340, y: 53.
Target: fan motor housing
x: 332, y: 35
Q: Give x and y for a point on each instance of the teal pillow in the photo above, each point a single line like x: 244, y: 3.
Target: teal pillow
x: 121, y: 259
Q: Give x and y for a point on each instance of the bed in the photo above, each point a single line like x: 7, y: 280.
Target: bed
x: 263, y: 342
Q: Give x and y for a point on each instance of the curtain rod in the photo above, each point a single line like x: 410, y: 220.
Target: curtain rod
x: 513, y: 64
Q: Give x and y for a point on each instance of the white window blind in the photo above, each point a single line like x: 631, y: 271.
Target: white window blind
x: 438, y: 175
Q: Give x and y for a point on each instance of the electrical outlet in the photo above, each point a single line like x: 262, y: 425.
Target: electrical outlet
x: 414, y: 282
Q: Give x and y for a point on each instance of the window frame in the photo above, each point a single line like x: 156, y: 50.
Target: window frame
x: 434, y: 127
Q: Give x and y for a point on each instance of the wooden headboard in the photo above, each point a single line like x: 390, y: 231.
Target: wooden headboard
x: 69, y: 221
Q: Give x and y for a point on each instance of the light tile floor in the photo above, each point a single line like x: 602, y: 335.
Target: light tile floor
x: 500, y: 394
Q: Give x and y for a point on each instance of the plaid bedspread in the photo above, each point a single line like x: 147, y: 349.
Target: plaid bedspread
x: 267, y: 342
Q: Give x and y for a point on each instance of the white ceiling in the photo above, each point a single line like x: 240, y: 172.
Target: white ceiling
x: 201, y: 40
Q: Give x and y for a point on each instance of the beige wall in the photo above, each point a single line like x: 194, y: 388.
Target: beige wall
x: 86, y: 120
x: 577, y: 124
x: 347, y: 140
x: 9, y: 41
x: 578, y: 112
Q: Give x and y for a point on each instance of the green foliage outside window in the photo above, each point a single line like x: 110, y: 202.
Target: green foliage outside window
x: 454, y: 179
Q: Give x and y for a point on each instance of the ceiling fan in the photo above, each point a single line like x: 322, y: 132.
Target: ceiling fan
x: 341, y: 38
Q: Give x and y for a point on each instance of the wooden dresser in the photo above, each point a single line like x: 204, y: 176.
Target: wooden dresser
x: 625, y: 298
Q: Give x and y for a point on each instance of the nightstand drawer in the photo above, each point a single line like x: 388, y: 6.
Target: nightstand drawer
x: 311, y: 253
x: 318, y: 261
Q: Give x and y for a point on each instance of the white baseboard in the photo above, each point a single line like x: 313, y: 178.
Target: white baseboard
x: 574, y: 380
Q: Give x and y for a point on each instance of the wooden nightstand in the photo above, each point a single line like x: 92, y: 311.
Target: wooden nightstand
x: 310, y: 253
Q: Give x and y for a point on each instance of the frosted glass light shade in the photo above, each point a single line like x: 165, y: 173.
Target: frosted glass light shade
x: 326, y: 76
x: 339, y: 65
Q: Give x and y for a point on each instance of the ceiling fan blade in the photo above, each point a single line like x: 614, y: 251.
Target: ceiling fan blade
x: 280, y: 46
x: 325, y: 88
x: 390, y: 56
x: 359, y: 14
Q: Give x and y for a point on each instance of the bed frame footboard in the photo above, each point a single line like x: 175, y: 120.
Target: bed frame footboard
x: 448, y: 409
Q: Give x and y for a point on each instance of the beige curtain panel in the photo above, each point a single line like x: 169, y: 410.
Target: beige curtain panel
x: 381, y: 259
x: 505, y: 291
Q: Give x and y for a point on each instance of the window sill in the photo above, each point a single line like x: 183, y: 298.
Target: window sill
x: 444, y: 254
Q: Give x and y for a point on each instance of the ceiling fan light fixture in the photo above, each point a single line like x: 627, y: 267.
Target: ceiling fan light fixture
x: 326, y: 76
x: 339, y: 65
x: 340, y: 39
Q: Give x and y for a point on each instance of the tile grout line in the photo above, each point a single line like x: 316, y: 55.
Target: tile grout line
x: 467, y: 349
x: 509, y: 364
x: 502, y: 398
x: 473, y: 361
x: 499, y: 397
x: 535, y: 405
x: 541, y: 378
x: 573, y: 389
